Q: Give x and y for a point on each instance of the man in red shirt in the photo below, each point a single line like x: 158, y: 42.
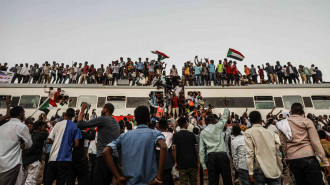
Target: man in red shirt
x: 261, y: 74
x: 91, y: 75
x: 229, y: 72
x: 175, y: 105
x: 84, y: 73
x: 235, y: 74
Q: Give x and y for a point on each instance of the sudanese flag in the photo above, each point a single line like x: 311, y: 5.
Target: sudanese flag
x: 161, y: 56
x: 47, y: 105
x: 235, y: 54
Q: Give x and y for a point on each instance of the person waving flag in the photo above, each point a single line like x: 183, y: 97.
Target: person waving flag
x: 235, y: 54
x: 161, y: 56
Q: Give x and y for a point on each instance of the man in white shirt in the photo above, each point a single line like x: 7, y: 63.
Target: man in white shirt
x: 238, y: 153
x: 19, y: 70
x: 263, y: 155
x: 15, y: 136
x: 25, y: 73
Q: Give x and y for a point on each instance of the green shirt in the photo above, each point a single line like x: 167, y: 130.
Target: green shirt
x: 212, y: 138
x: 220, y: 68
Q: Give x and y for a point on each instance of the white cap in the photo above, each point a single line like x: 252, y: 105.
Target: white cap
x: 285, y: 114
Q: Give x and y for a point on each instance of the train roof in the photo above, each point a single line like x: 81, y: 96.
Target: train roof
x: 98, y: 86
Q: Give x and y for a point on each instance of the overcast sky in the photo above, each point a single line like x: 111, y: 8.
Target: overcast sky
x: 102, y: 31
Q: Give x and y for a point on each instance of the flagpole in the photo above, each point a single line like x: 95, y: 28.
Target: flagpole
x: 39, y: 107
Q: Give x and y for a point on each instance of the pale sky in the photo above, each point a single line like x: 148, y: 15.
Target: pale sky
x: 101, y: 31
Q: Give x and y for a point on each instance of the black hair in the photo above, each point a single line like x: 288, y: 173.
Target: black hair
x: 163, y: 124
x: 16, y: 111
x: 210, y: 119
x: 255, y: 116
x: 38, y: 124
x: 151, y: 125
x: 141, y: 114
x: 28, y: 121
x: 236, y: 130
x: 196, y: 131
x: 182, y: 121
x: 129, y: 127
x: 70, y: 113
x: 322, y: 134
x: 297, y: 108
x: 121, y: 124
x: 109, y: 107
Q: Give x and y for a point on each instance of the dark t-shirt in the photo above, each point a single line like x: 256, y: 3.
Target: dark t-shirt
x: 35, y: 152
x: 108, y: 131
x: 185, y: 143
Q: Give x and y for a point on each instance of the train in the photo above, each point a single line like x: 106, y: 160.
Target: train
x: 261, y: 97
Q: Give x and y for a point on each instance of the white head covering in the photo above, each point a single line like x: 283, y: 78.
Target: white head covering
x: 285, y: 115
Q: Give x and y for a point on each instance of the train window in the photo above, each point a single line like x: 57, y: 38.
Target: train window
x: 101, y: 102
x: 73, y: 102
x: 278, y: 102
x: 289, y: 100
x: 3, y: 101
x: 234, y: 102
x: 321, y: 102
x: 264, y: 102
x: 14, y: 101
x: 42, y: 99
x: 133, y: 102
x: 308, y: 102
x: 89, y: 99
x: 29, y: 101
x: 193, y: 92
x: 119, y: 102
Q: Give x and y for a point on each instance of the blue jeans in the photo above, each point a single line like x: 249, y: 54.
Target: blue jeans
x: 308, y: 79
x: 198, y: 79
x: 214, y: 78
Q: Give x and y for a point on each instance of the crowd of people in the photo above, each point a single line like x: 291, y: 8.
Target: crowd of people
x: 144, y: 73
x: 157, y: 146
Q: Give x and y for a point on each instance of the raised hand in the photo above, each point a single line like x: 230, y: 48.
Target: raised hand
x: 226, y: 102
x: 8, y: 101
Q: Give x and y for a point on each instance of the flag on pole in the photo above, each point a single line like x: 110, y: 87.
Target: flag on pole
x: 161, y: 56
x: 235, y: 54
x: 47, y: 105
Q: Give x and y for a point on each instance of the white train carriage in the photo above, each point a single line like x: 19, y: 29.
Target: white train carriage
x: 314, y: 97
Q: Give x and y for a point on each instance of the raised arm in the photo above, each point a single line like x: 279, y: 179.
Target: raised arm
x: 245, y: 113
x: 196, y: 60
x: 45, y: 89
x: 271, y: 112
x: 87, y: 124
x: 278, y: 113
x: 8, y: 101
x: 221, y: 123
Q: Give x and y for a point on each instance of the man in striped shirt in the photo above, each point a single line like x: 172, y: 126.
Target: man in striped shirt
x: 300, y: 151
